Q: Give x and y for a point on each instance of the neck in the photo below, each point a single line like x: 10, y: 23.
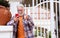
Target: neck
x: 21, y: 14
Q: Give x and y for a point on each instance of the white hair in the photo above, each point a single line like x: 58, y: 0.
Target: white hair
x: 20, y: 5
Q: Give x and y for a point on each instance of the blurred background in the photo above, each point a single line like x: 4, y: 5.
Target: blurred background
x: 46, y: 26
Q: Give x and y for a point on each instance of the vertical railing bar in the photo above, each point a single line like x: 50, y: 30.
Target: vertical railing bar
x: 41, y: 31
x: 47, y: 9
x: 36, y: 2
x: 52, y: 19
x: 40, y: 9
x: 25, y: 8
x: 40, y: 19
x: 37, y: 17
x: 44, y: 16
x: 48, y: 34
x: 59, y: 19
x: 56, y: 12
x: 56, y: 19
x: 29, y: 10
x: 44, y: 33
x: 43, y: 5
x: 37, y: 8
x: 37, y: 31
x: 34, y: 31
x: 44, y: 10
x: 33, y: 7
x: 47, y: 18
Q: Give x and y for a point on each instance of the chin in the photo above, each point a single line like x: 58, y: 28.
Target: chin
x: 21, y: 14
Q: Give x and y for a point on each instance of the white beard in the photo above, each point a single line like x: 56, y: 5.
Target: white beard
x: 21, y: 14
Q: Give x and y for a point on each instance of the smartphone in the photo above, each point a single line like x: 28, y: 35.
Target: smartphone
x: 17, y: 15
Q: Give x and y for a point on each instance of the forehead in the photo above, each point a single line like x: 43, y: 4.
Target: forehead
x: 20, y: 7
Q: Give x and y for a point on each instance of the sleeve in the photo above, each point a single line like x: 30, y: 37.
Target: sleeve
x: 11, y: 22
x: 30, y: 21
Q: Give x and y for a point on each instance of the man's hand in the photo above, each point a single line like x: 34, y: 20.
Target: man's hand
x: 26, y: 17
x: 15, y: 19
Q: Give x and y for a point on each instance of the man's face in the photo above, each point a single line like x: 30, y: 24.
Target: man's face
x: 20, y: 10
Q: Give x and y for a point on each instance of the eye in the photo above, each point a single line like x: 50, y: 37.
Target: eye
x: 19, y: 10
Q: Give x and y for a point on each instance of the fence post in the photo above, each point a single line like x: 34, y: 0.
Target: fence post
x: 33, y: 7
x: 25, y: 8
x: 29, y: 10
x: 52, y: 19
x: 56, y: 18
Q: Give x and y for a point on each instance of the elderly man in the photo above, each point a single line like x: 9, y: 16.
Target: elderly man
x: 23, y: 24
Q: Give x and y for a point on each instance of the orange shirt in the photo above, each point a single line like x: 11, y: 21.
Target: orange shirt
x: 21, y: 33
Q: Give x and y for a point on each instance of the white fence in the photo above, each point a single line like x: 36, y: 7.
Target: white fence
x: 43, y: 17
x: 42, y: 23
